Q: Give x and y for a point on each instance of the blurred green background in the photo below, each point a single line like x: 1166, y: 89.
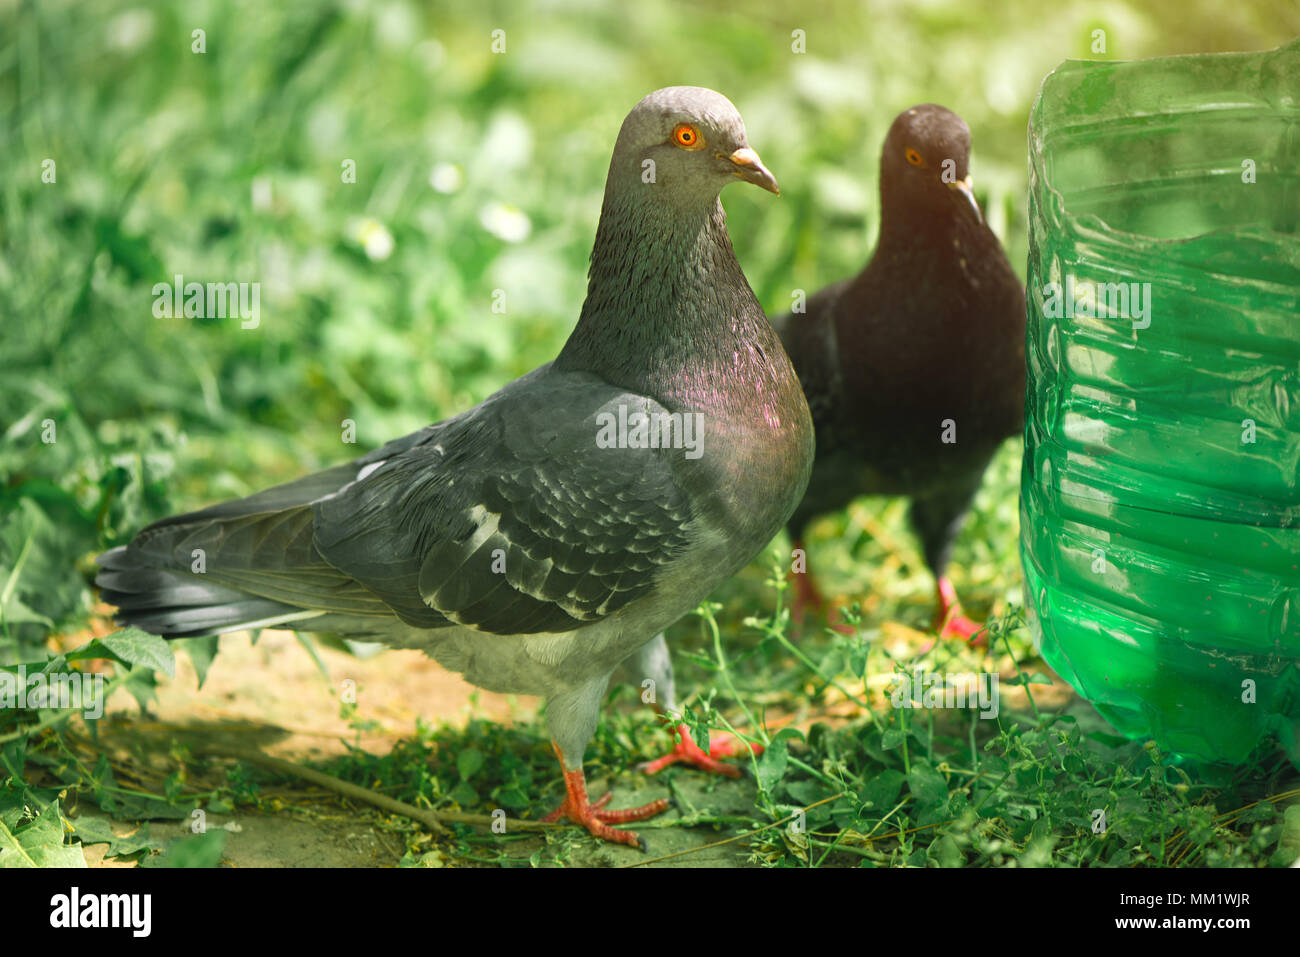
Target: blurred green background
x: 475, y: 171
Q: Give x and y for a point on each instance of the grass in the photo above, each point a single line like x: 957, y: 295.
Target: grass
x: 478, y: 173
x: 867, y: 784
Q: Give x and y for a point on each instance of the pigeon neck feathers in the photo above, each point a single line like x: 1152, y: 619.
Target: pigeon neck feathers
x: 912, y: 224
x: 668, y: 311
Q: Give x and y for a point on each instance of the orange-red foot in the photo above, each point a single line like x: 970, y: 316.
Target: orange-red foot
x: 594, y: 817
x: 720, y: 746
x: 949, y: 612
x: 807, y: 597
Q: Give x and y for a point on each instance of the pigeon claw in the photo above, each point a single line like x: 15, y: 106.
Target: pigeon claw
x: 594, y: 817
x: 806, y: 594
x: 949, y: 620
x: 688, y: 752
x: 964, y: 628
x: 808, y: 597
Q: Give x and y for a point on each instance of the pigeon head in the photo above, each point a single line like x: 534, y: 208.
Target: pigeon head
x: 682, y: 144
x: 667, y: 303
x: 925, y: 162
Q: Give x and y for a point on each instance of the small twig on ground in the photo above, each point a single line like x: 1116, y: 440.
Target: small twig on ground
x: 434, y: 820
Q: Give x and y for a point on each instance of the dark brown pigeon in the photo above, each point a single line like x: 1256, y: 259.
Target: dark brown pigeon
x: 547, y: 536
x: 915, y: 368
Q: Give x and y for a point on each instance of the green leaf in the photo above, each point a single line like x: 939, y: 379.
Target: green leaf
x: 432, y: 858
x: 12, y: 758
x: 927, y: 785
x: 12, y: 810
x: 512, y: 798
x: 201, y: 850
x: 133, y: 647
x: 141, y: 685
x: 13, y: 611
x: 201, y: 651
x: 806, y: 791
x: 858, y: 659
x: 99, y: 830
x: 12, y: 851
x: 881, y: 792
x: 93, y: 830
x: 464, y: 794
x: 39, y: 844
x: 772, y: 763
x: 468, y: 762
x: 945, y: 852
x: 893, y: 738
x: 12, y: 576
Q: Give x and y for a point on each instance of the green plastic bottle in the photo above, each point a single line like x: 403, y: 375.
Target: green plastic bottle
x: 1160, y: 491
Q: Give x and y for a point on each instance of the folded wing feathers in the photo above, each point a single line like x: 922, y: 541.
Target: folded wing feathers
x: 418, y: 531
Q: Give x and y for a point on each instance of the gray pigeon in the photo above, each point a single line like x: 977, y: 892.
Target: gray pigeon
x: 545, y: 537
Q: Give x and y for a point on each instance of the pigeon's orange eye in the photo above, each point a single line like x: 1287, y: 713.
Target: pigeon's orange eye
x: 914, y: 157
x: 688, y: 137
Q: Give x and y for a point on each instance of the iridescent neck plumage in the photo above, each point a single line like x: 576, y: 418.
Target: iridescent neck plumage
x: 668, y: 309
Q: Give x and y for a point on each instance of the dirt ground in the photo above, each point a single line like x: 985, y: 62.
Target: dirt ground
x: 271, y: 696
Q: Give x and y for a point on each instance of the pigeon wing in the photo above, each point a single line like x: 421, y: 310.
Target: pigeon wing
x: 512, y: 518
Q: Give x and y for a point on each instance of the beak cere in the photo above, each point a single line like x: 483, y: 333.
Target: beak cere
x: 965, y: 188
x: 751, y: 169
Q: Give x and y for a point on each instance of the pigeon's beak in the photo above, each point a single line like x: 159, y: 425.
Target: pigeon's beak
x: 964, y: 187
x: 751, y: 169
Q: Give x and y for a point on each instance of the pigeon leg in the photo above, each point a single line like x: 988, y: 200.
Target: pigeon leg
x: 937, y: 519
x: 806, y: 593
x: 949, y: 618
x: 572, y: 717
x: 807, y: 596
x: 581, y: 811
x: 651, y: 669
